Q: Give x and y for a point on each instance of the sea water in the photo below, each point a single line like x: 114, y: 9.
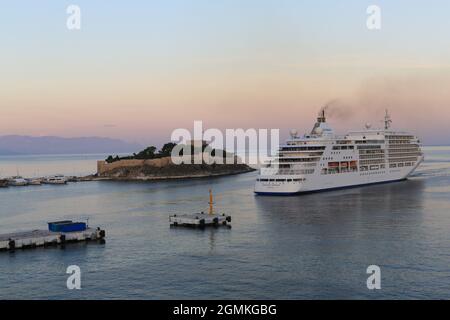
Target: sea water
x: 299, y: 247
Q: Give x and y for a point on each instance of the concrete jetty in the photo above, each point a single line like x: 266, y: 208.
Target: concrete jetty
x: 199, y: 220
x: 43, y: 238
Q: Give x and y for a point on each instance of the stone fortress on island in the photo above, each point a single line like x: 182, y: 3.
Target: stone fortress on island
x: 148, y: 165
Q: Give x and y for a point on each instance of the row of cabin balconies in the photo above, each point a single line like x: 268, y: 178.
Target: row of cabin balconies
x: 402, y: 159
x: 406, y: 154
x: 403, y: 151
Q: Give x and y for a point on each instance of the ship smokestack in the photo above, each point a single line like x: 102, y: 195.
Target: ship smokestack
x: 321, y: 117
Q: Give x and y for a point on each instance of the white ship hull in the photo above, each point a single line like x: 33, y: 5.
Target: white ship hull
x: 315, y: 183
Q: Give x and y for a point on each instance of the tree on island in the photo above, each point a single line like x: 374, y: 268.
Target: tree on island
x: 167, y: 148
x: 147, y: 153
x: 166, y: 151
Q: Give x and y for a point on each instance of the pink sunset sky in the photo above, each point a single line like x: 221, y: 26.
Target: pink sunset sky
x: 139, y: 72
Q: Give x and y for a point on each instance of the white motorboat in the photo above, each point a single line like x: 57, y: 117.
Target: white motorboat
x: 58, y: 179
x: 17, y: 181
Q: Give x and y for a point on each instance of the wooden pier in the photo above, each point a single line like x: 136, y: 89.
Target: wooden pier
x: 44, y: 238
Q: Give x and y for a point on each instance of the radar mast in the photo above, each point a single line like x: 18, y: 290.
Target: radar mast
x: 387, y: 120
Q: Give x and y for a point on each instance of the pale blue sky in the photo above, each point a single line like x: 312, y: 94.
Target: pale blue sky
x: 187, y: 60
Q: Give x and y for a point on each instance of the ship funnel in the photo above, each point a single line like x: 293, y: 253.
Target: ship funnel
x: 321, y: 117
x: 321, y: 127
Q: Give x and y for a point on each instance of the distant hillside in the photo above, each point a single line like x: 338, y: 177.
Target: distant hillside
x: 16, y: 145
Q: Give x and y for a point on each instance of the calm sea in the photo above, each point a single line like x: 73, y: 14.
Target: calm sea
x: 302, y: 247
x: 43, y: 165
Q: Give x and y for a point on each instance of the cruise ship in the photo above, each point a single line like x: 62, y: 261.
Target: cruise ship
x: 322, y: 160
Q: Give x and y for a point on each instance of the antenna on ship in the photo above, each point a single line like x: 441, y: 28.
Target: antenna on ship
x: 387, y: 120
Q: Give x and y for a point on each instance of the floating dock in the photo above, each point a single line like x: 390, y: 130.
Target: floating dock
x: 44, y: 238
x: 200, y: 220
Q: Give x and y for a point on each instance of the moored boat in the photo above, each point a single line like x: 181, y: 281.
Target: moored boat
x: 17, y: 181
x: 58, y: 179
x: 34, y: 181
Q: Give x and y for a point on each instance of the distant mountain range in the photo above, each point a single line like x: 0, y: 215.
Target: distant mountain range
x: 25, y: 145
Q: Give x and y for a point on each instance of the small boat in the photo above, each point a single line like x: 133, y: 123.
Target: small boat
x: 34, y: 181
x: 17, y: 181
x: 3, y: 183
x: 58, y: 179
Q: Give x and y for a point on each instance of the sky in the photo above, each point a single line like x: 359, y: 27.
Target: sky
x: 137, y: 70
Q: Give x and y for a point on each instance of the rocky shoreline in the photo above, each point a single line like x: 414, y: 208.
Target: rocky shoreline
x: 169, y: 172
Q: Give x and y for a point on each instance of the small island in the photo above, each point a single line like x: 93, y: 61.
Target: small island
x: 151, y: 164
